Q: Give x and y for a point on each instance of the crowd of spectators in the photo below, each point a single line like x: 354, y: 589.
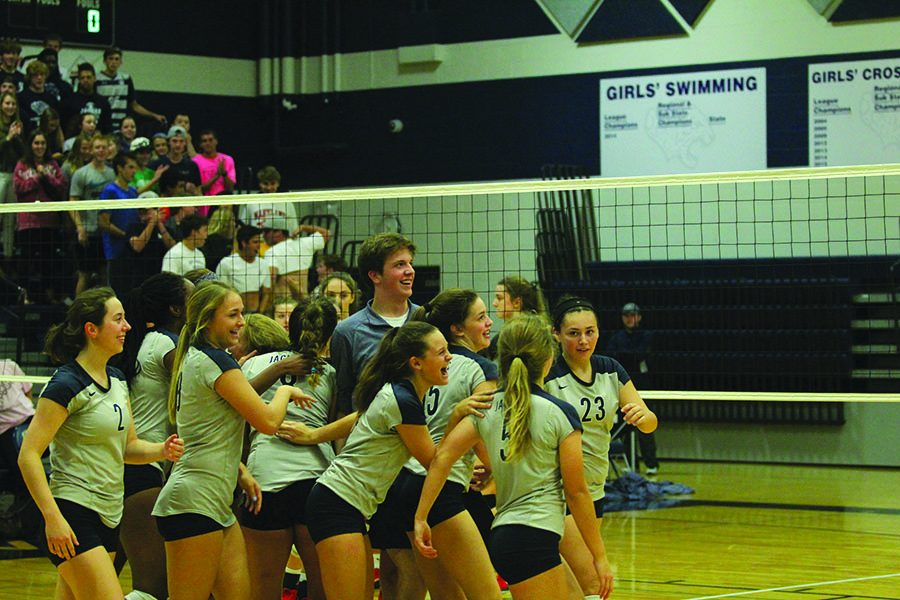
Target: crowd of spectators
x: 71, y: 137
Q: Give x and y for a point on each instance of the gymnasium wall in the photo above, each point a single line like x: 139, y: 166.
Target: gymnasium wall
x: 510, y: 95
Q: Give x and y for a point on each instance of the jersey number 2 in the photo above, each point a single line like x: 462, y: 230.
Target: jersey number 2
x: 118, y: 410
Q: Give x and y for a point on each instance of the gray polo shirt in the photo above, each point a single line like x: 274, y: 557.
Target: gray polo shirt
x: 354, y: 342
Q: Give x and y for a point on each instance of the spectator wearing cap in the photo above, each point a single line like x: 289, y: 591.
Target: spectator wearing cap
x: 118, y: 88
x: 10, y: 54
x: 217, y: 172
x: 632, y: 347
x: 247, y: 272
x: 181, y: 168
x: 145, y: 178
x: 35, y: 98
x: 186, y: 255
x: 184, y: 121
x: 86, y: 100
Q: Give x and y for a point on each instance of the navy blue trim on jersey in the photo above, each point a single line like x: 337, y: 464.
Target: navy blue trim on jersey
x: 167, y: 333
x: 568, y: 409
x: 599, y: 364
x: 411, y: 410
x: 71, y: 378
x: 488, y: 367
x: 222, y: 359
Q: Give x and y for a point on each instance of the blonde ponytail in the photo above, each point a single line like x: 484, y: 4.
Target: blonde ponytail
x: 524, y: 347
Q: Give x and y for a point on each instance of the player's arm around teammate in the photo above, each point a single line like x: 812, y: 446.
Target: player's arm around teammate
x: 463, y: 568
x: 210, y: 399
x: 390, y: 428
x: 529, y: 435
x: 285, y: 472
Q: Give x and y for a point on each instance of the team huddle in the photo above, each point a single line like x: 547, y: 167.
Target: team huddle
x: 391, y: 429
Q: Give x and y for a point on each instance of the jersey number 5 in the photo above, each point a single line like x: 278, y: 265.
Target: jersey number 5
x: 593, y: 410
x: 431, y: 401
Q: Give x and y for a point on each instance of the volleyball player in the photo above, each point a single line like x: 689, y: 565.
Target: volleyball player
x: 596, y: 386
x: 147, y: 364
x: 534, y: 443
x: 464, y: 569
x: 209, y: 399
x: 287, y: 472
x: 390, y: 428
x: 84, y: 416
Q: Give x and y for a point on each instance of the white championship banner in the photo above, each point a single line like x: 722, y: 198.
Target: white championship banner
x: 854, y: 113
x: 700, y: 122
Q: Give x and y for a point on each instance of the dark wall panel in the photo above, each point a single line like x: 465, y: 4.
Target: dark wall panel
x: 197, y: 27
x: 497, y: 129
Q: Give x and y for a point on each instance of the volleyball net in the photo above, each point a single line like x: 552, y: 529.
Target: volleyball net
x: 770, y: 281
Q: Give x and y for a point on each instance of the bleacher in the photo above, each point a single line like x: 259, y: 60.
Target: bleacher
x: 742, y: 325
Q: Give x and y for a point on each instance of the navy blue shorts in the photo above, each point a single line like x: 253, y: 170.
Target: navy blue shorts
x: 328, y: 515
x: 89, y: 529
x: 519, y: 552
x: 598, y: 508
x: 448, y: 504
x: 282, y: 509
x: 179, y: 527
x: 387, y: 527
x: 141, y: 477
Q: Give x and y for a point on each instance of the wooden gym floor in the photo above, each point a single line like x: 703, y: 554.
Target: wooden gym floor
x: 761, y: 532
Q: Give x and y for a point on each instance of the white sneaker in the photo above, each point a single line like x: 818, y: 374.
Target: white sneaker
x: 652, y: 470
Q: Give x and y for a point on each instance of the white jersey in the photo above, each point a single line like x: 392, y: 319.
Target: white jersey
x: 180, y: 259
x: 367, y: 466
x: 530, y: 488
x: 150, y: 387
x: 276, y: 463
x: 87, y: 454
x: 294, y: 255
x: 467, y: 371
x: 596, y: 403
x: 242, y: 275
x: 204, y: 478
x: 265, y: 215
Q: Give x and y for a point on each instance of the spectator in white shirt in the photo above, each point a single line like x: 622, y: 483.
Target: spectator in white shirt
x: 247, y: 272
x: 291, y: 259
x: 186, y: 255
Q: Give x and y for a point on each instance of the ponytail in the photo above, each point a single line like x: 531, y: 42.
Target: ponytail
x: 524, y: 347
x: 312, y: 322
x: 391, y: 361
x: 201, y: 307
x: 449, y: 308
x: 65, y: 340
